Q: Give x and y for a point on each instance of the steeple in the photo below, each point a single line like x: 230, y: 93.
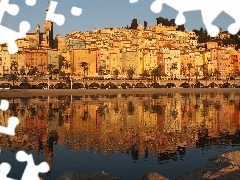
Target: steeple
x: 47, y: 9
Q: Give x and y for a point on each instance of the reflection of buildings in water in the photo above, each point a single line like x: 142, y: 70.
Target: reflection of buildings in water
x: 119, y: 124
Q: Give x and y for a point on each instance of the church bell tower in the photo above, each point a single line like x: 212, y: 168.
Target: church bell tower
x: 48, y: 29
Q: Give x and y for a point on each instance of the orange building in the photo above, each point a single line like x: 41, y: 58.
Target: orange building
x: 36, y: 58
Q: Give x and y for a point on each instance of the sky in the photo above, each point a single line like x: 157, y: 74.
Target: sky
x: 101, y: 14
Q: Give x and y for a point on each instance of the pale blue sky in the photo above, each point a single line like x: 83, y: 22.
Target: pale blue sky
x: 100, y: 14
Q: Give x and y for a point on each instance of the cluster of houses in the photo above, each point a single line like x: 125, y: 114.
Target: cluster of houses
x: 120, y: 51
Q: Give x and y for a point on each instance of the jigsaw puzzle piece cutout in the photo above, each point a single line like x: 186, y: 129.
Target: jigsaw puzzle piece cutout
x: 30, y: 2
x: 59, y: 19
x: 4, y: 170
x: 12, y: 9
x: 180, y: 6
x: 232, y: 9
x: 12, y: 124
x: 9, y: 36
x: 208, y: 16
x: 31, y: 171
x: 76, y: 11
x: 4, y: 105
x: 209, y: 11
x: 133, y: 1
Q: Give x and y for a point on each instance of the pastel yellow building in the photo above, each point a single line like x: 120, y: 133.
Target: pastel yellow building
x: 149, y: 57
x: 22, y: 43
x: 114, y: 60
x: 131, y: 59
x: 89, y: 56
x: 229, y: 65
x: 199, y: 61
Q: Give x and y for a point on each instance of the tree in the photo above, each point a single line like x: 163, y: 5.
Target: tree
x: 161, y: 70
x: 14, y: 66
x: 145, y: 74
x: 134, y: 24
x: 100, y: 70
x: 189, y: 67
x: 173, y: 67
x: 217, y: 74
x: 116, y: 73
x: 145, y: 24
x: 197, y: 74
x: 22, y: 70
x: 180, y: 28
x: 33, y: 71
x: 62, y: 75
x: 183, y: 70
x: 206, y: 74
x: 155, y: 73
x: 13, y: 77
x: 85, y: 67
x: 50, y: 69
x: 130, y: 72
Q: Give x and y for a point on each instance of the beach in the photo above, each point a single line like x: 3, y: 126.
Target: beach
x: 79, y: 92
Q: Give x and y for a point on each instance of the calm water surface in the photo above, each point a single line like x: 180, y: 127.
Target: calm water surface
x: 125, y: 135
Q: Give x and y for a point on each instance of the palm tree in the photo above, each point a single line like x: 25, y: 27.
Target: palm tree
x: 189, y: 67
x: 85, y: 67
x: 197, y: 74
x: 173, y: 67
x: 13, y: 77
x: 33, y: 71
x: 116, y: 73
x: 206, y: 74
x: 217, y: 73
x: 62, y: 75
x: 130, y: 73
x: 161, y: 70
x: 183, y: 70
x: 22, y: 70
x: 50, y: 69
x: 14, y: 66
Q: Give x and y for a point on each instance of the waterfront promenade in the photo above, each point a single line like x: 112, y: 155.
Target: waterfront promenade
x: 79, y: 92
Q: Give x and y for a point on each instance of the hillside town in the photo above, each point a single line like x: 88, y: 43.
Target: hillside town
x: 162, y: 51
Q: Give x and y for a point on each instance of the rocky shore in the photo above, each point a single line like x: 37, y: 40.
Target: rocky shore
x: 220, y: 167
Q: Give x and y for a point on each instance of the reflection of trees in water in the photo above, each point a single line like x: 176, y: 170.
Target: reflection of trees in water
x: 116, y: 107
x: 51, y: 113
x: 134, y: 153
x: 217, y: 106
x: 145, y: 106
x: 130, y: 108
x: 13, y: 107
x: 86, y: 114
x: 25, y: 100
x: 102, y: 111
x: 226, y: 96
x: 174, y: 111
x: 157, y: 108
x: 205, y: 111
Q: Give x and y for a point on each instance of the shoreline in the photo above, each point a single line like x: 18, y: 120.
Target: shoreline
x: 79, y: 92
x: 222, y: 166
